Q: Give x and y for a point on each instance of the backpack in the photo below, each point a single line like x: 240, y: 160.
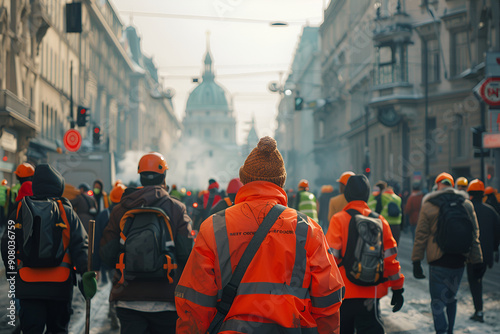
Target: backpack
x: 40, y: 233
x: 146, y: 246
x: 455, y: 230
x: 364, y: 255
x: 393, y: 209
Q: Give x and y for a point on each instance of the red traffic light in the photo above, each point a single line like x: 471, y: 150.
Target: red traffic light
x: 188, y: 193
x: 83, y: 111
x: 97, y: 129
x: 5, y: 158
x: 368, y: 170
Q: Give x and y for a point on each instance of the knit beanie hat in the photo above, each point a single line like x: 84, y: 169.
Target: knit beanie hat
x: 357, y: 188
x: 264, y: 163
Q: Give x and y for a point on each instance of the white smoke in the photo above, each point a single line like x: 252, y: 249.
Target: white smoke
x: 127, y: 168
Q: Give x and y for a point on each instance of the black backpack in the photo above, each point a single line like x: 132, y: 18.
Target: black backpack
x: 40, y: 233
x: 455, y: 230
x: 364, y: 255
x: 147, y: 246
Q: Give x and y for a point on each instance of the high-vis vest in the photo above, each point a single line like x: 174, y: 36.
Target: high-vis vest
x: 14, y: 190
x: 289, y: 284
x: 307, y: 204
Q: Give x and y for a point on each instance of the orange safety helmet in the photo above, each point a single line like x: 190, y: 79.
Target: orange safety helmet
x: 445, y: 177
x: 25, y: 170
x: 303, y: 183
x: 476, y: 185
x: 344, y: 177
x: 152, y: 162
x: 115, y: 195
x: 489, y: 190
x: 4, y: 182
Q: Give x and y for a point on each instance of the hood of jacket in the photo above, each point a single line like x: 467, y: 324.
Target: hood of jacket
x: 145, y: 196
x: 261, y: 191
x: 447, y: 190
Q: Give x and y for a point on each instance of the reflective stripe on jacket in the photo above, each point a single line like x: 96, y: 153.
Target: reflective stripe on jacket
x: 292, y: 282
x: 307, y: 204
x: 337, y: 236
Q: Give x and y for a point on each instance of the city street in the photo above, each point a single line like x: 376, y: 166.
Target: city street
x: 415, y: 316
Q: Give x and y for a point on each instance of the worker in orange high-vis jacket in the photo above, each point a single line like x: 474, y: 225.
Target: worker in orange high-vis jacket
x: 292, y: 283
x: 360, y: 308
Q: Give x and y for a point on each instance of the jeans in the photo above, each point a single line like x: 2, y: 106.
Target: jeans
x: 476, y: 287
x: 443, y: 285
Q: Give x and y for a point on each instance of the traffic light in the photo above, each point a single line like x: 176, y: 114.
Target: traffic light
x: 96, y: 135
x: 299, y: 102
x: 366, y: 169
x: 477, y: 136
x: 82, y: 116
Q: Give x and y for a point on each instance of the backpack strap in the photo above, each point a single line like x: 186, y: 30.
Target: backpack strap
x: 228, y: 201
x: 230, y: 290
x: 63, y: 215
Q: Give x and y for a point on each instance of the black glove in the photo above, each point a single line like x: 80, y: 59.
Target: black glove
x: 496, y: 255
x: 479, y: 269
x: 397, y: 299
x: 418, y: 272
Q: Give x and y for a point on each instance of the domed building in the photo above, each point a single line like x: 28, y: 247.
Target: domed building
x: 209, y: 110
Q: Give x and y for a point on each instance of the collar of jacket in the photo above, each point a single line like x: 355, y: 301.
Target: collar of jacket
x: 447, y: 190
x: 261, y: 191
x: 360, y: 206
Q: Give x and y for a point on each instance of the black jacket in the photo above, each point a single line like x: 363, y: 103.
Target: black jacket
x: 489, y: 229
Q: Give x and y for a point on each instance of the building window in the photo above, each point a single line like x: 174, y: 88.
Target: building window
x: 392, y: 64
x: 433, y: 54
x: 459, y: 53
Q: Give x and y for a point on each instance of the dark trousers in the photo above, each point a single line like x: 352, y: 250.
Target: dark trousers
x: 136, y: 322
x: 476, y: 287
x: 362, y: 315
x: 396, y: 232
x: 35, y: 314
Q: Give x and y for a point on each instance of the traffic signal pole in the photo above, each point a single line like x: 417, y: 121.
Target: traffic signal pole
x: 483, y: 124
x: 72, y: 121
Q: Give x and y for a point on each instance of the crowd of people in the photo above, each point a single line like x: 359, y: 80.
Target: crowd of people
x: 251, y: 258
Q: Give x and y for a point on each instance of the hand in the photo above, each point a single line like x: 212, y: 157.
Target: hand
x: 478, y: 269
x: 418, y: 272
x: 89, y: 283
x: 397, y: 299
x: 496, y: 256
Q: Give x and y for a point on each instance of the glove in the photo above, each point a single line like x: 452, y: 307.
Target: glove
x: 397, y: 299
x: 478, y: 269
x: 89, y: 283
x: 496, y: 256
x: 418, y: 272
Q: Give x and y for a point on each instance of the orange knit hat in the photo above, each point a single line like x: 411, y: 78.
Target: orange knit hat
x: 264, y: 163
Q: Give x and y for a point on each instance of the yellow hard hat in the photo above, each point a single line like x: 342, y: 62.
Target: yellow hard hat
x: 462, y: 181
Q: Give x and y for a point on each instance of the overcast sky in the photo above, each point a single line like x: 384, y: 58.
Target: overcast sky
x: 248, y: 53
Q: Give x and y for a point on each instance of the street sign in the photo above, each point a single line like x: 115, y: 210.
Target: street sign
x: 490, y: 91
x: 493, y: 64
x: 72, y: 140
x: 491, y: 140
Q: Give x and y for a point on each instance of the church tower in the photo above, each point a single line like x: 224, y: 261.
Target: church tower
x: 209, y: 109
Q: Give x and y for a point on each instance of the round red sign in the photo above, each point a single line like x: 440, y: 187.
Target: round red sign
x: 72, y: 140
x: 490, y: 91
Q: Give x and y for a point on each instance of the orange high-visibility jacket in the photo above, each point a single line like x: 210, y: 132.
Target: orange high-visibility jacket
x: 337, y: 236
x: 292, y: 282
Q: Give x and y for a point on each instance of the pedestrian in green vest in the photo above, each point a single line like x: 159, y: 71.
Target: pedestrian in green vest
x: 306, y: 201
x: 387, y: 204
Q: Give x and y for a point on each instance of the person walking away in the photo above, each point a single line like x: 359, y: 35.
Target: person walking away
x: 388, y: 204
x: 148, y: 241
x: 491, y: 199
x: 85, y: 205
x: 44, y: 283
x: 489, y: 238
x: 100, y: 196
x: 323, y: 201
x: 232, y: 189
x: 24, y: 174
x: 338, y: 202
x: 462, y: 184
x: 412, y: 208
x: 105, y: 271
x: 368, y: 270
x: 306, y: 201
x: 276, y: 295
x: 175, y: 193
x: 448, y: 234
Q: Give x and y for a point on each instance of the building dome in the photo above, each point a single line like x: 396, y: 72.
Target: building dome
x: 208, y: 95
